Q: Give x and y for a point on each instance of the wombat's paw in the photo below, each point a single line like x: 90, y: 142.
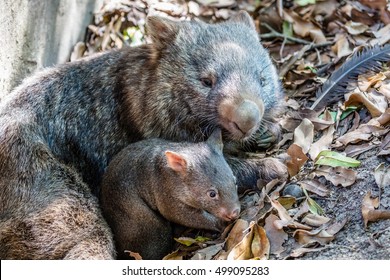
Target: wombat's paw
x: 271, y: 168
x: 265, y: 137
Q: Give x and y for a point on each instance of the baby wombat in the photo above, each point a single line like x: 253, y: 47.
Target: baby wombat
x: 154, y: 182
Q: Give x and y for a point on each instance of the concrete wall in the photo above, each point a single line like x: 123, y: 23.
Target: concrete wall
x: 39, y: 33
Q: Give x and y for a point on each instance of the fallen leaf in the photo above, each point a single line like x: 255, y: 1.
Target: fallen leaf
x: 363, y: 133
x: 236, y: 234
x: 369, y: 212
x: 320, y: 236
x: 382, y: 175
x: 341, y: 47
x: 285, y: 219
x: 304, y: 134
x: 208, y: 253
x: 255, y: 244
x: 315, y: 220
x: 176, y: 255
x: 323, y: 143
x: 297, y: 159
x: 355, y: 28
x: 335, y: 159
x: 355, y: 150
x: 372, y: 105
x: 275, y: 236
x: 315, y: 186
x: 337, y: 175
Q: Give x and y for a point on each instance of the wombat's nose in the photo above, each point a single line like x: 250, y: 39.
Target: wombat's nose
x: 232, y: 215
x: 246, y: 116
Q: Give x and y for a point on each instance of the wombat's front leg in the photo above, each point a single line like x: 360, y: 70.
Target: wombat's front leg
x: 248, y: 171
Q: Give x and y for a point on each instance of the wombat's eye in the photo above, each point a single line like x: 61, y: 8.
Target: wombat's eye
x: 212, y: 193
x: 207, y: 82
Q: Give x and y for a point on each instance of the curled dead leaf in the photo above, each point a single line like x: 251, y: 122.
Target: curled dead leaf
x: 254, y: 245
x: 276, y: 236
x: 369, y: 212
x: 337, y: 175
x: 315, y: 186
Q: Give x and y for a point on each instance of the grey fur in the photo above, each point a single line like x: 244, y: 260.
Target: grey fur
x: 141, y: 194
x: 61, y: 127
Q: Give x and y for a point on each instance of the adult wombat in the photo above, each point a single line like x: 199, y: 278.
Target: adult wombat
x: 61, y: 127
x: 154, y: 182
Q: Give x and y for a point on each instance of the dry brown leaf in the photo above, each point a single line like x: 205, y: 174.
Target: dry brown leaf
x: 366, y: 81
x: 287, y: 201
x: 355, y: 150
x: 320, y: 236
x: 302, y: 250
x: 304, y: 134
x: 297, y: 159
x: 276, y: 236
x: 176, y: 255
x: 236, y: 234
x: 384, y: 119
x: 303, y: 27
x: 382, y: 36
x: 369, y: 212
x: 382, y: 175
x: 315, y: 186
x: 325, y: 141
x: 315, y: 220
x: 371, y: 104
x: 337, y: 175
x: 355, y: 28
x: 255, y: 244
x: 285, y: 219
x: 341, y: 47
x: 384, y: 87
x: 385, y: 147
x: 363, y: 133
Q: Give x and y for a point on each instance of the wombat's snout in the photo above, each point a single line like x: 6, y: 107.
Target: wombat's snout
x: 228, y: 216
x: 246, y: 117
x: 241, y: 117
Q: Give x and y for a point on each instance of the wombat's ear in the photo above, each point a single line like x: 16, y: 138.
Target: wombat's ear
x: 215, y: 139
x: 162, y: 30
x: 243, y: 17
x: 176, y: 161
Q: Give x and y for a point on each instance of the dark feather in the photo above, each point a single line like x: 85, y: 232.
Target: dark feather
x: 336, y: 85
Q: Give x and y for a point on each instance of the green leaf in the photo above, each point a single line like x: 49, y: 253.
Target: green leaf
x: 202, y: 239
x: 187, y: 241
x: 335, y: 159
x: 287, y: 29
x: 304, y: 2
x: 314, y: 208
x: 348, y: 111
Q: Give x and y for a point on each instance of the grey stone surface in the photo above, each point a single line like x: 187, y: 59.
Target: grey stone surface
x: 39, y: 33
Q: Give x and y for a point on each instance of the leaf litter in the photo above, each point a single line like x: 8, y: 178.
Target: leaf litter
x: 338, y: 155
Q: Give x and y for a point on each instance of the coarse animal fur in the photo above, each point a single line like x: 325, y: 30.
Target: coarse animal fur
x: 62, y: 126
x: 153, y: 183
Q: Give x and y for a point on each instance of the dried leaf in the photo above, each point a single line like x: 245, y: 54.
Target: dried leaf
x: 335, y: 159
x: 176, y: 255
x: 302, y: 250
x: 208, y: 252
x: 382, y: 176
x: 337, y: 175
x: 276, y: 236
x: 315, y: 186
x: 285, y: 219
x: 370, y: 214
x: 236, y: 234
x: 298, y: 159
x: 315, y: 220
x: 355, y: 28
x: 255, y: 244
x: 304, y: 134
x: 320, y: 236
x: 372, y: 105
